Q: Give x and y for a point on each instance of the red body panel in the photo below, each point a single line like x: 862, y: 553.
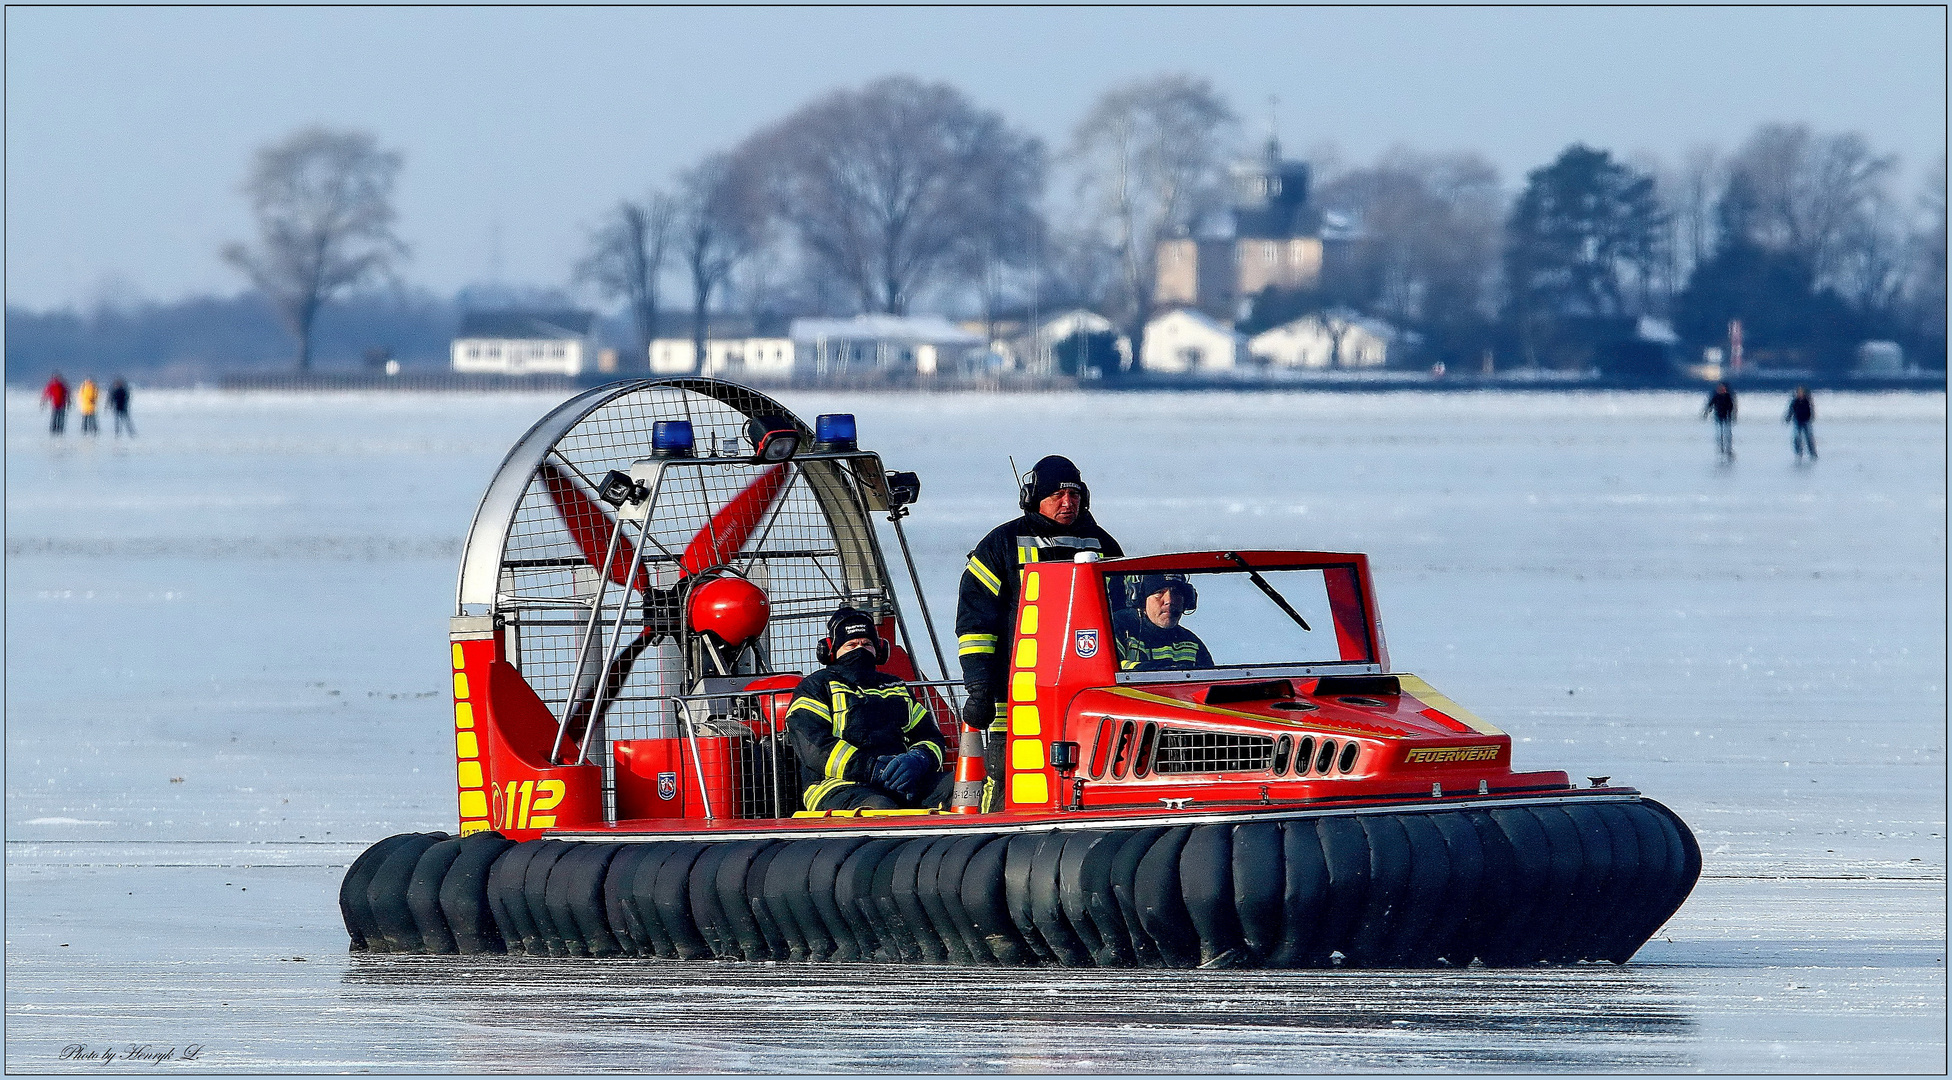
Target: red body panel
x: 1143, y: 747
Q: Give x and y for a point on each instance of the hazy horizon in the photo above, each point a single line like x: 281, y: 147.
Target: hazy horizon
x: 129, y: 130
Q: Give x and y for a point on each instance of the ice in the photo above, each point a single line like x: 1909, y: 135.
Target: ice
x: 226, y: 672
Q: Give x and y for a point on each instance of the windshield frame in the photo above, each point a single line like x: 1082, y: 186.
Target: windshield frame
x: 1211, y: 563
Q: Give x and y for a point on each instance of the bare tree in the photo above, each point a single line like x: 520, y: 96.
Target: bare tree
x: 1818, y: 197
x: 1149, y: 155
x: 720, y: 220
x: 323, y: 203
x: 627, y: 256
x: 1428, y: 254
x: 895, y: 186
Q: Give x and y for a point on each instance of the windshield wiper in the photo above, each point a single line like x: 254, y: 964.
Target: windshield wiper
x: 1234, y: 556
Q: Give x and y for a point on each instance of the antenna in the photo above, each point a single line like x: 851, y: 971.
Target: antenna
x: 1014, y: 474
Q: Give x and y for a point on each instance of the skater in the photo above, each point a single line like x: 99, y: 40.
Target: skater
x: 1801, y: 411
x: 87, y: 397
x: 1056, y: 525
x: 56, y: 396
x: 118, y: 403
x: 1722, y: 404
x: 863, y: 741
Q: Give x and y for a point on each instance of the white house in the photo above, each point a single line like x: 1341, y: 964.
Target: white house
x: 1189, y: 342
x: 921, y: 343
x: 1334, y: 339
x: 753, y: 357
x: 523, y: 343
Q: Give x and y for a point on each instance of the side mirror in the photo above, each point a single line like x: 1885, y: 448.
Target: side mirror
x: 1064, y: 756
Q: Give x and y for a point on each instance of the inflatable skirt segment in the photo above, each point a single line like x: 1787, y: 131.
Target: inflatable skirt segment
x: 1555, y: 883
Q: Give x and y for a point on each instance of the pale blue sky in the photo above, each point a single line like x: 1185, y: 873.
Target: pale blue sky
x: 129, y: 129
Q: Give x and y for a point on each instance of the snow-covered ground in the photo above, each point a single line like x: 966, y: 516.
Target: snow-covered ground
x: 226, y: 673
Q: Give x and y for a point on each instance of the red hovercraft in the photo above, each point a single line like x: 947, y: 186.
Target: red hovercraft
x: 646, y: 580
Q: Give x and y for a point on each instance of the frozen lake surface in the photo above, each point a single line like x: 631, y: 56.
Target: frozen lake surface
x: 226, y: 674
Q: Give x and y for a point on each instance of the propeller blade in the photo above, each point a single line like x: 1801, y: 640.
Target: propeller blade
x: 732, y: 526
x: 590, y: 525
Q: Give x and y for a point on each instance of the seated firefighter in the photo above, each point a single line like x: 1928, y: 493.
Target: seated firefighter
x: 863, y: 741
x: 1149, y: 636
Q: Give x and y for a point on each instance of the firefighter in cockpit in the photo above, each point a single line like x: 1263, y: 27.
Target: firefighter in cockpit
x: 1056, y: 525
x: 1149, y: 636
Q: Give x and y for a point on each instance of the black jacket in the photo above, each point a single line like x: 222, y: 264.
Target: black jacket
x: 1722, y: 404
x: 987, y: 600
x: 1801, y: 410
x: 844, y: 716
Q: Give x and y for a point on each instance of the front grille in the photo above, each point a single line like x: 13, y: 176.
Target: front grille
x: 1211, y: 751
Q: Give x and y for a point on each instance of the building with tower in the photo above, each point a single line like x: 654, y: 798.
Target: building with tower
x: 1275, y: 241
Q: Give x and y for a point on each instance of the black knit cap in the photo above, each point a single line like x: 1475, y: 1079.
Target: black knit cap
x: 1153, y: 583
x: 1050, y: 476
x: 848, y: 623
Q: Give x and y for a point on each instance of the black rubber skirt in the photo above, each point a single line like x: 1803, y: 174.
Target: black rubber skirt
x: 1553, y: 883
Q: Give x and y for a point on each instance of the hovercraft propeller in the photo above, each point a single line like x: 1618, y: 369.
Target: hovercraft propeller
x: 600, y: 538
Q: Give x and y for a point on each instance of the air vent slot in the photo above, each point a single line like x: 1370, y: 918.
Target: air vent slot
x: 1360, y: 685
x: 1268, y: 690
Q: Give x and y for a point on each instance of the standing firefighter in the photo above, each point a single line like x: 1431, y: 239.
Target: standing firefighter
x: 863, y: 741
x: 1056, y: 526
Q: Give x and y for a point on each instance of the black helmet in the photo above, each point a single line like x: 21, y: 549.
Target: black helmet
x: 1152, y: 583
x: 845, y: 625
x: 1048, y: 477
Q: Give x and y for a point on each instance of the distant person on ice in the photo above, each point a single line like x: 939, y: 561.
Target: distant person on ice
x: 1056, y: 525
x: 863, y: 741
x: 87, y: 398
x: 1801, y: 411
x: 118, y: 403
x: 55, y: 394
x: 1721, y: 404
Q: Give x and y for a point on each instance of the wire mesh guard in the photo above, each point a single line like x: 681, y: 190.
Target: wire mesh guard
x: 1211, y: 751
x: 764, y: 778
x: 811, y: 548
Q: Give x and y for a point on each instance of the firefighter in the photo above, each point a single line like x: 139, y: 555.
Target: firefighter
x: 1149, y: 636
x: 1056, y: 525
x: 863, y: 741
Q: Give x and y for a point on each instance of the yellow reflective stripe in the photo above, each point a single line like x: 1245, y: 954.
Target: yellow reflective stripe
x: 985, y: 576
x: 940, y: 754
x: 821, y: 790
x: 1029, y: 788
x: 807, y: 704
x: 971, y: 644
x: 916, y: 714
x: 837, y: 759
x: 841, y: 694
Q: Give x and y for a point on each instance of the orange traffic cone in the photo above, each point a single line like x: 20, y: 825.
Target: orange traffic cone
x: 967, y: 796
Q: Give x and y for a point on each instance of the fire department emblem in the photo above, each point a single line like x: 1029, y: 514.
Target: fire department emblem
x: 1087, y: 644
x: 667, y: 786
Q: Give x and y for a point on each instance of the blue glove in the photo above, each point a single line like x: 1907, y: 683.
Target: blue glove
x: 903, y: 773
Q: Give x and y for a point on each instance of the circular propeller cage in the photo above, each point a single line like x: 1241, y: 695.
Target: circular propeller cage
x: 533, y: 554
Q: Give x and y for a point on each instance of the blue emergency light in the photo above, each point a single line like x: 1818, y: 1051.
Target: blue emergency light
x: 671, y: 438
x: 834, y: 432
